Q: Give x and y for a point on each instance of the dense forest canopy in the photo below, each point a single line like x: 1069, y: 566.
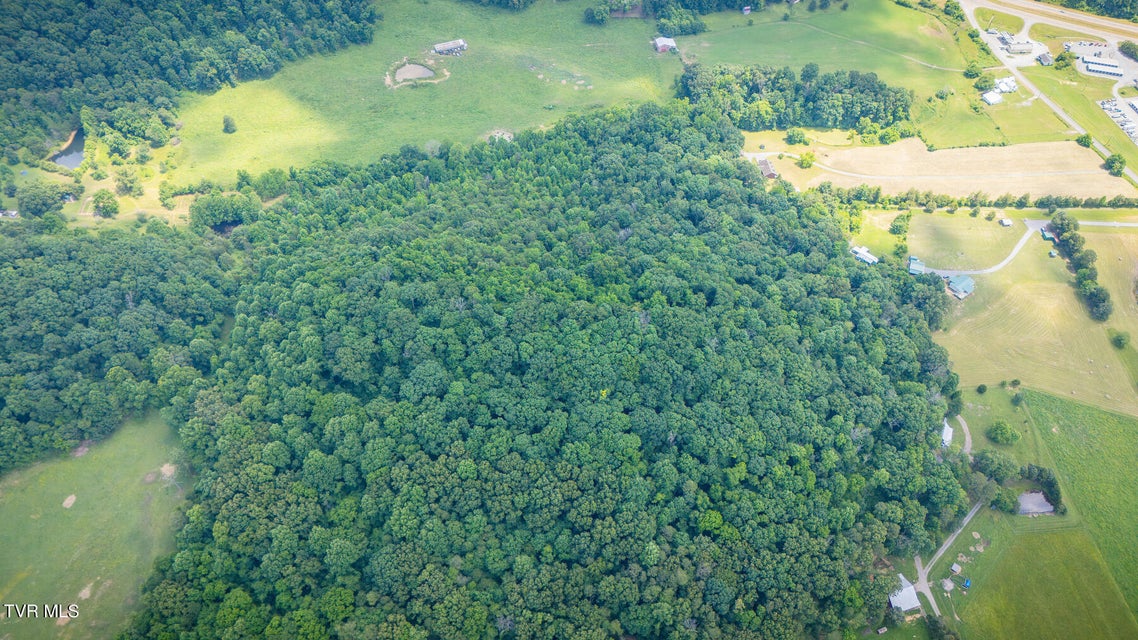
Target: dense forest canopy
x: 125, y: 60
x: 592, y: 382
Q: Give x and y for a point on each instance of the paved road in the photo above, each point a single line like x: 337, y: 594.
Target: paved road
x: 922, y: 583
x: 970, y: 7
x: 1033, y: 227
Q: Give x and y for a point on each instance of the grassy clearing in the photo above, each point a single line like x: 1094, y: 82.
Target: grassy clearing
x: 874, y: 232
x: 1054, y: 36
x: 1094, y: 451
x: 1047, y: 585
x: 1078, y: 96
x: 98, y: 552
x: 981, y: 411
x: 989, y: 19
x: 523, y: 69
x: 959, y: 241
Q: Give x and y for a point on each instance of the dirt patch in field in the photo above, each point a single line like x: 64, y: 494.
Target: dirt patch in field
x: 150, y: 477
x: 1041, y: 168
x: 69, y: 501
x: 168, y: 470
x: 82, y: 449
x: 86, y: 592
x: 413, y: 72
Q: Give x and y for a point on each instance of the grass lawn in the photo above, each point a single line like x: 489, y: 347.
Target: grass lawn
x: 989, y: 19
x: 1078, y: 96
x: 98, y: 552
x: 981, y: 411
x: 959, y: 241
x: 874, y: 233
x: 1054, y: 36
x: 1094, y: 452
x: 523, y: 69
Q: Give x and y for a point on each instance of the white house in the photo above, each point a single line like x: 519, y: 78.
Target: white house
x: 863, y: 254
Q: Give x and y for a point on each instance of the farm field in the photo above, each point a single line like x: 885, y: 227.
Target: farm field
x: 87, y: 530
x: 1094, y: 451
x: 1057, y: 168
x: 522, y: 70
x: 959, y: 241
x: 1025, y: 322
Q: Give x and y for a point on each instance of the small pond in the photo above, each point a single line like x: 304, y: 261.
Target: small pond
x: 1034, y: 502
x: 72, y: 155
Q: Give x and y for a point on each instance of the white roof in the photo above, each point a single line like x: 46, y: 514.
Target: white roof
x: 946, y: 434
x: 992, y: 97
x: 1004, y: 222
x: 905, y: 598
x: 863, y: 254
x: 451, y: 44
x: 664, y: 42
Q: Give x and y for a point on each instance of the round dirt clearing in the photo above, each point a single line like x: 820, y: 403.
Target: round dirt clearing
x: 413, y: 72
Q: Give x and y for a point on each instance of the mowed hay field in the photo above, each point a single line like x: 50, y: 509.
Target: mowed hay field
x: 1043, y: 168
x: 959, y: 241
x: 523, y: 69
x: 1095, y: 453
x: 1026, y: 322
x: 97, y: 551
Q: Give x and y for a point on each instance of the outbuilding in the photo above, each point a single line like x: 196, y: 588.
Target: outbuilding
x: 916, y: 267
x: 451, y: 48
x: 946, y: 435
x: 992, y: 97
x: 663, y: 45
x: 863, y: 254
x: 767, y: 169
x: 905, y: 598
x: 1045, y: 59
x: 1004, y: 222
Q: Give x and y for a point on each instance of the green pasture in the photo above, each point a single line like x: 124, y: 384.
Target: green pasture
x: 874, y: 233
x: 1078, y: 95
x: 959, y: 241
x: 1044, y: 585
x: 983, y: 410
x: 989, y: 19
x: 98, y: 552
x: 523, y: 69
x: 1094, y: 452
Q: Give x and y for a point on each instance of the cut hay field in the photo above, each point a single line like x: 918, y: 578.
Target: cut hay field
x: 96, y: 551
x: 1058, y: 168
x: 959, y: 241
x: 523, y: 69
x: 1025, y: 322
x: 903, y: 46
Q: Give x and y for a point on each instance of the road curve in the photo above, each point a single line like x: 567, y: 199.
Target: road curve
x: 922, y: 583
x: 1033, y: 227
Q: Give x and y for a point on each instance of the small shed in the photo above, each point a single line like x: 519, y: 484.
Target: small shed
x: 863, y: 254
x: 453, y: 47
x: 767, y: 169
x: 1004, y: 222
x: 992, y: 97
x: 961, y: 286
x: 955, y: 569
x: 946, y: 435
x: 1006, y: 85
x: 1047, y: 235
x: 905, y: 598
x: 916, y: 267
x: 1045, y: 59
x: 1052, y: 254
x: 664, y: 45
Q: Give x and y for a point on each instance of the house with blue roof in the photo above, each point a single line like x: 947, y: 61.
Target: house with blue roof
x: 961, y: 286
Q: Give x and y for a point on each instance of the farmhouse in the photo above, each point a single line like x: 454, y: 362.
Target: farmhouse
x: 905, y: 598
x: 992, y: 97
x: 916, y: 267
x: 946, y: 435
x: 863, y: 254
x: 452, y: 48
x: 961, y: 286
x: 664, y: 45
x: 767, y: 169
x: 1045, y: 59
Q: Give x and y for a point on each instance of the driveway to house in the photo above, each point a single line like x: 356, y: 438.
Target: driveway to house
x: 967, y: 436
x: 922, y: 583
x: 1033, y: 227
